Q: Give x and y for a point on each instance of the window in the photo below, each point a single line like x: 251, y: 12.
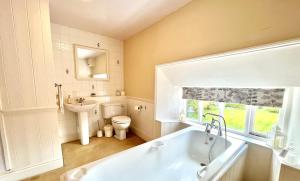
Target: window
x: 249, y: 120
x: 265, y: 118
x: 209, y: 107
x: 235, y: 116
x: 192, y: 109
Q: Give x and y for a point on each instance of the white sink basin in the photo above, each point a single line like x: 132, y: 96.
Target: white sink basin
x: 81, y: 107
x: 82, y: 110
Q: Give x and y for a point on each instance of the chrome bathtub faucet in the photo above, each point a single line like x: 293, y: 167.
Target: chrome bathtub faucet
x: 212, y: 125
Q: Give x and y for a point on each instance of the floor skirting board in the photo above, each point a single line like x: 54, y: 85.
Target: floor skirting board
x: 32, y: 171
x: 141, y: 134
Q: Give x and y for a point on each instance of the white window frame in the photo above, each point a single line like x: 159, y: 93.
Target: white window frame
x: 249, y: 119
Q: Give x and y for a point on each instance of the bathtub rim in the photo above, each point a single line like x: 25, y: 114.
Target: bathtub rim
x: 67, y: 176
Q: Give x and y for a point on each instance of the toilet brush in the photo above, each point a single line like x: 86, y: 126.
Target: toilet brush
x: 99, y: 132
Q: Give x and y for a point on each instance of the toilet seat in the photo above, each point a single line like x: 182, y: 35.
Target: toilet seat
x: 121, y: 119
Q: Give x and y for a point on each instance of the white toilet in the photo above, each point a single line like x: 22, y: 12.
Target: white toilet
x: 120, y: 122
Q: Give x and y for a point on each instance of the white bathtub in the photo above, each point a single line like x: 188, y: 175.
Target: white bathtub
x: 177, y: 156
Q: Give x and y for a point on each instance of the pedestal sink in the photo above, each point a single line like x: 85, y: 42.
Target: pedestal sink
x: 82, y: 110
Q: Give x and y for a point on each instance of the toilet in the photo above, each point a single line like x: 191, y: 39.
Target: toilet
x: 120, y: 122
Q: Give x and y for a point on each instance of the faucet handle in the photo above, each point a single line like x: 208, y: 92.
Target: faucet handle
x: 80, y: 100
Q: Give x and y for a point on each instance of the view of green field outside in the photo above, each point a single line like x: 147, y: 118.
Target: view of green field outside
x: 265, y: 118
x: 192, y: 109
x: 209, y: 107
x: 235, y: 115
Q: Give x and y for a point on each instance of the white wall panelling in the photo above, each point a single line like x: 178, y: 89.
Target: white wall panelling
x: 289, y: 174
x: 258, y: 163
x: 275, y: 168
x: 32, y: 137
x: 63, y: 39
x: 281, y: 171
x: 143, y: 123
x: 29, y: 119
x: 236, y: 171
x: 26, y: 62
x: 5, y: 157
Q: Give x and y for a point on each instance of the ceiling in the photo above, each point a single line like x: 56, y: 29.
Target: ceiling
x: 115, y: 18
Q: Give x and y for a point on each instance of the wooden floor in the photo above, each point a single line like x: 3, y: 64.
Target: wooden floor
x: 75, y: 154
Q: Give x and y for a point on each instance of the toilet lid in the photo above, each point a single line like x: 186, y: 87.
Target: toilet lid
x: 121, y: 119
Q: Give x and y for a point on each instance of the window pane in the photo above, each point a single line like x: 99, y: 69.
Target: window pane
x: 265, y: 118
x: 192, y: 109
x: 235, y: 116
x: 209, y: 107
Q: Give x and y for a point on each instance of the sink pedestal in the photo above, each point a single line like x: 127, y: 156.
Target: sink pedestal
x: 83, y: 122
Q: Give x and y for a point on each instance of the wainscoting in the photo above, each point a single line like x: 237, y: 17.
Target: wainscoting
x: 28, y: 114
x: 236, y: 171
x: 143, y: 123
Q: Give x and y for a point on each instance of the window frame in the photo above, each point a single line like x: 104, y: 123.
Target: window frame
x: 249, y: 119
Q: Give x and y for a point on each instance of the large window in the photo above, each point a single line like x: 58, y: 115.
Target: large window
x: 252, y: 120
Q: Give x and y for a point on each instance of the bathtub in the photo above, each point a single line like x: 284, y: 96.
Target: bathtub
x: 183, y: 156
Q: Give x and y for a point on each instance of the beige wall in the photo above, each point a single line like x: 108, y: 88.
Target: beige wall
x: 206, y: 27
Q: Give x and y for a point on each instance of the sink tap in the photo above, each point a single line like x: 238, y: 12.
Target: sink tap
x: 80, y: 100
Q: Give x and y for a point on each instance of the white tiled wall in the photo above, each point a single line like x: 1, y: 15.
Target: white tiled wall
x: 63, y: 39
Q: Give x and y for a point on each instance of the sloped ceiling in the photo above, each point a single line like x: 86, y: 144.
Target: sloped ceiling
x: 119, y: 19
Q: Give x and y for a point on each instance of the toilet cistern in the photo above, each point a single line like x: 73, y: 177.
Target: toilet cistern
x: 81, y: 107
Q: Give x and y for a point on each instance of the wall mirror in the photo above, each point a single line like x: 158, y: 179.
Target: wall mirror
x: 91, y: 63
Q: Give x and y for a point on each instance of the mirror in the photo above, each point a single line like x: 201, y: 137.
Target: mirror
x: 91, y: 63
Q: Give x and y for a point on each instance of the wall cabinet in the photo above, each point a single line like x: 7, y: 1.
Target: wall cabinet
x: 27, y: 94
